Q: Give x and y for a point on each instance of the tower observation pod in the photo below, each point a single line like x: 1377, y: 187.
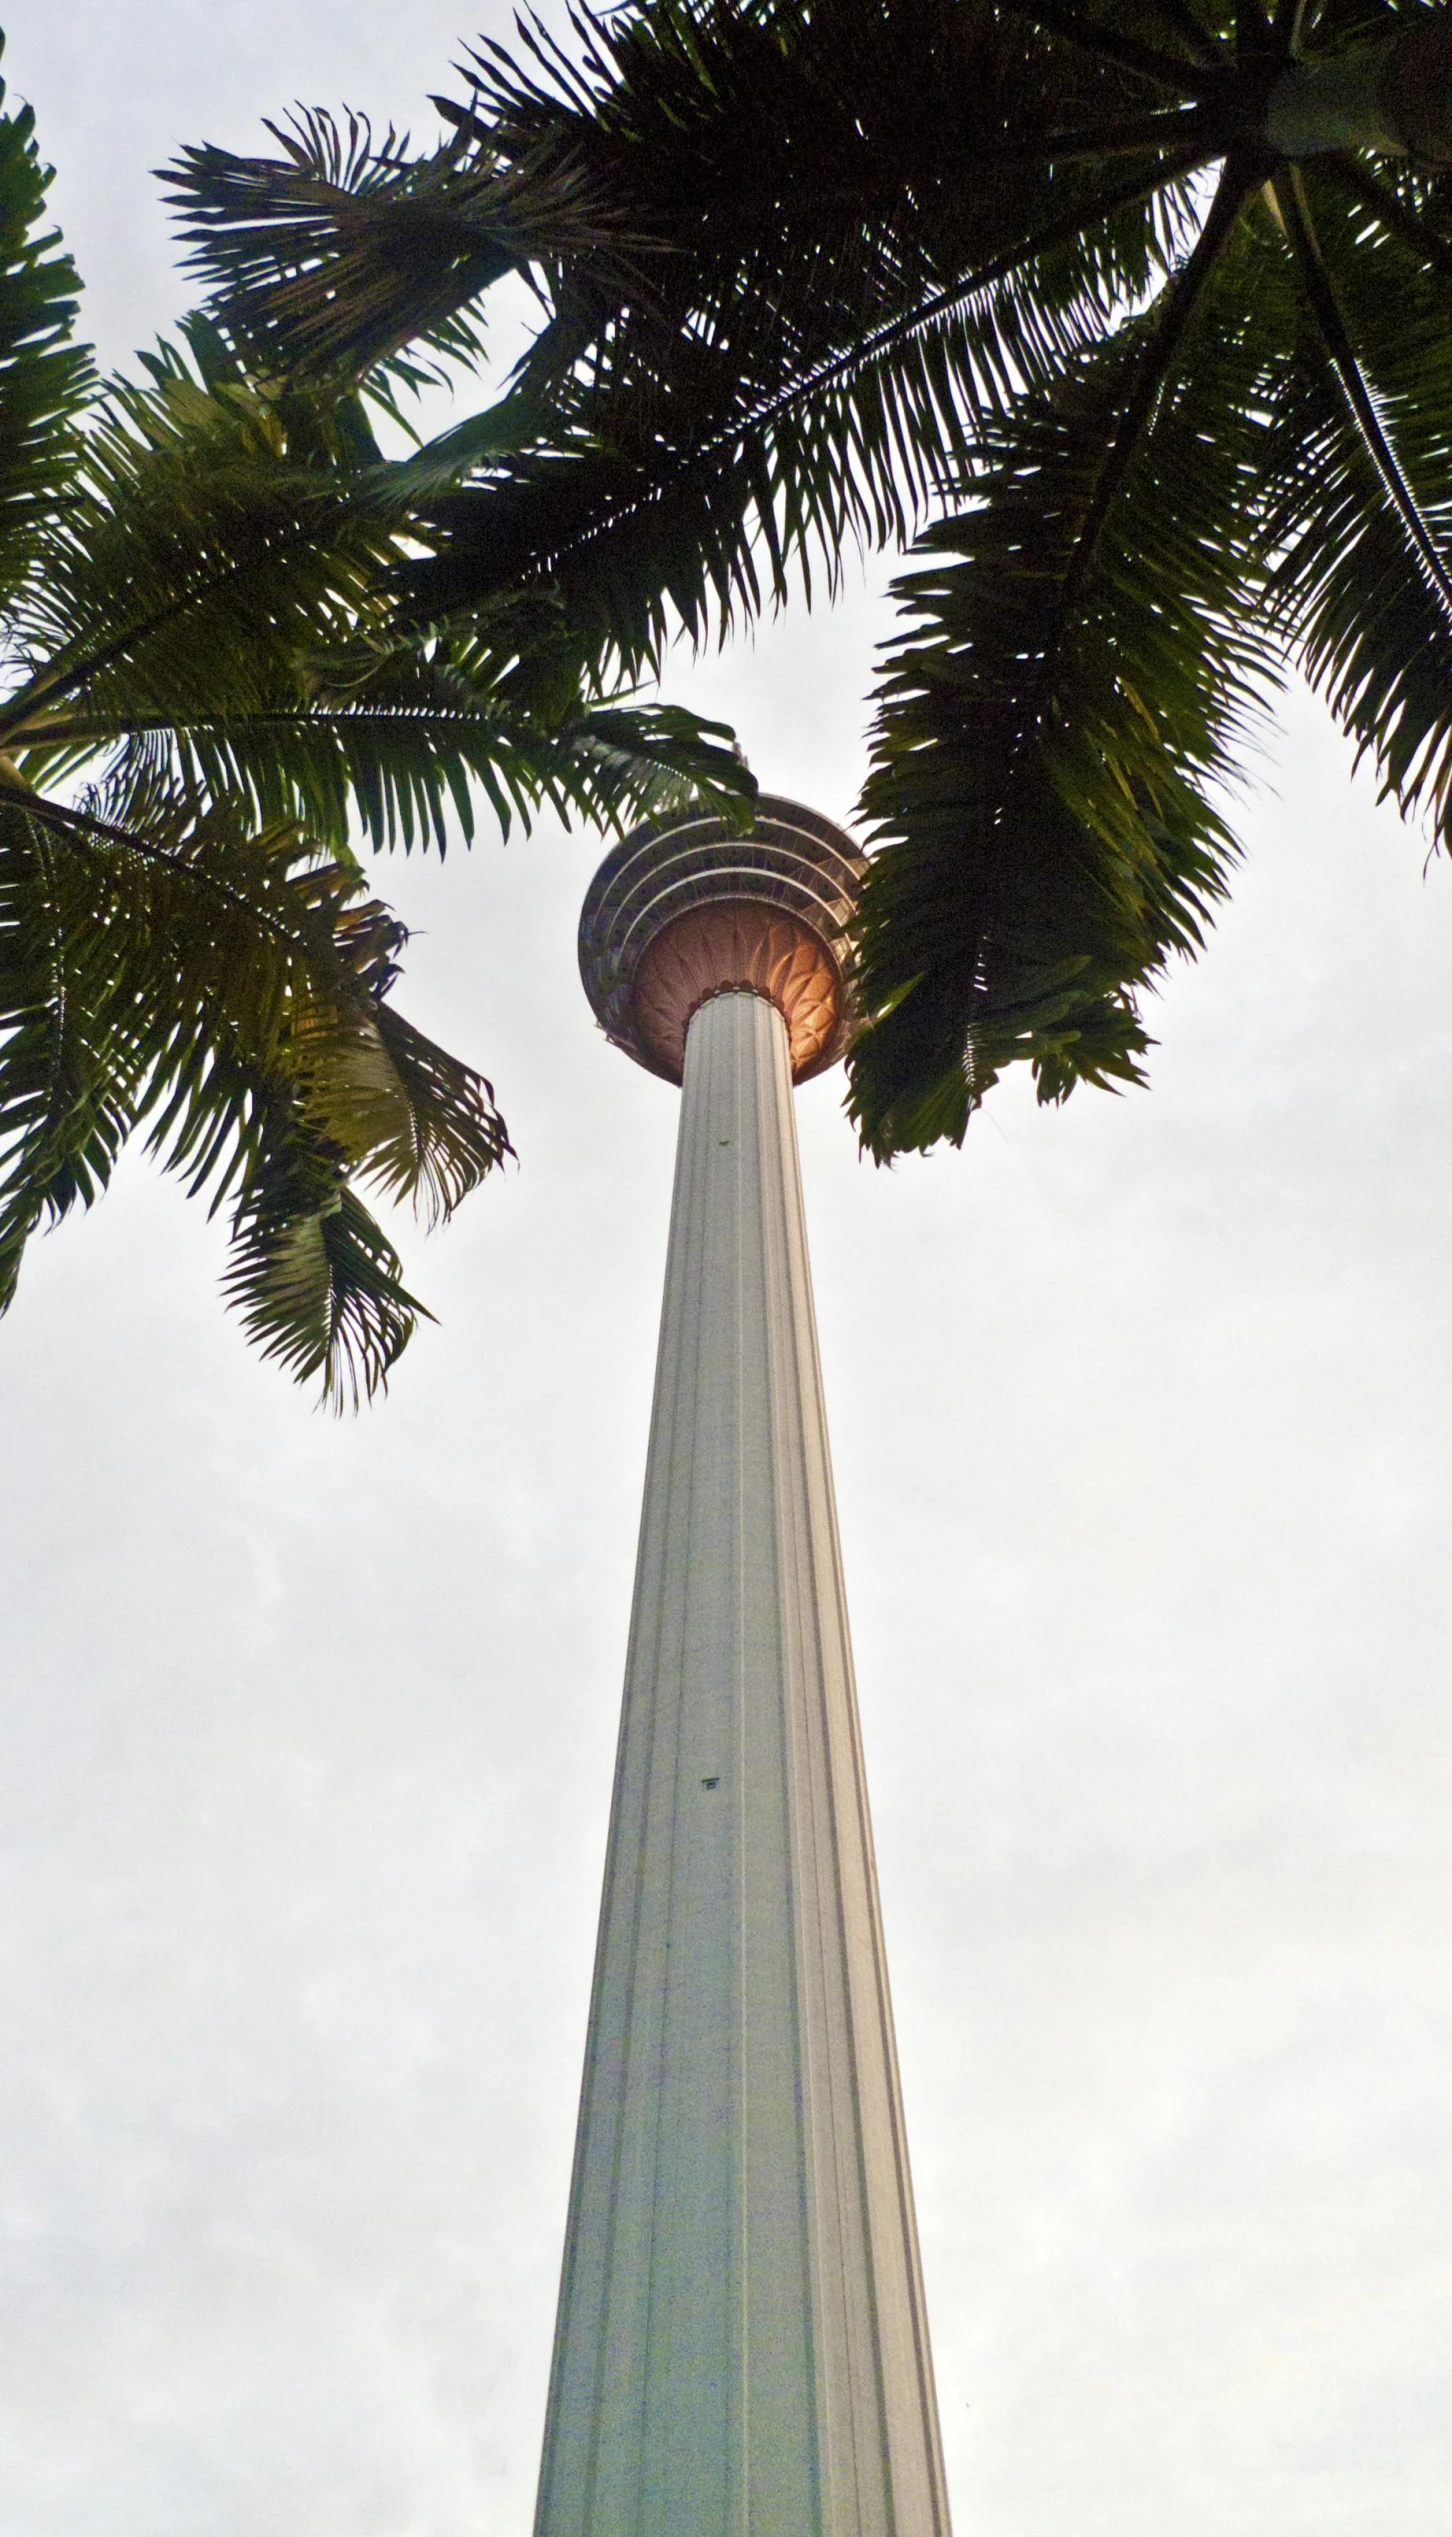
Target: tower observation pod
x: 742, y: 2346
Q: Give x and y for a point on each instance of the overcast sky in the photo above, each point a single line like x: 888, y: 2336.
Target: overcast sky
x: 1141, y: 1414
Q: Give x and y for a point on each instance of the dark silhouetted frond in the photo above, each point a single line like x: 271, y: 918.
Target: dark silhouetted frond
x: 1361, y: 530
x: 867, y: 244
x: 1056, y: 729
x: 43, y: 375
x: 339, y: 253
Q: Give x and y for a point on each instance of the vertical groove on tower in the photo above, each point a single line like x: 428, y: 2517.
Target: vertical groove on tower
x: 741, y: 2348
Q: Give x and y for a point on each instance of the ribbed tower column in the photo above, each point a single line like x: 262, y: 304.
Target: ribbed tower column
x: 742, y: 2347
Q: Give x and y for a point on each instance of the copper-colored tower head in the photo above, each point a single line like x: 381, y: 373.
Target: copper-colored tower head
x: 684, y: 910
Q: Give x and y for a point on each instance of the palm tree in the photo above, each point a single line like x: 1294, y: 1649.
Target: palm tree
x: 206, y: 685
x: 1137, y: 316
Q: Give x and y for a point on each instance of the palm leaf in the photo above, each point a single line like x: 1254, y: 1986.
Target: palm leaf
x: 406, y: 738
x: 1360, y: 528
x: 639, y: 521
x: 857, y: 273
x: 315, y: 1280
x: 1055, y: 731
x: 228, y: 992
x: 1131, y: 35
x: 69, y: 1073
x: 336, y: 255
x: 43, y: 375
x: 193, y: 562
x: 252, y: 655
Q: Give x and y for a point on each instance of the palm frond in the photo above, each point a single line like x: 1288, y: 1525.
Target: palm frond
x: 1351, y: 576
x: 1054, y: 732
x: 752, y: 485
x: 250, y: 652
x: 1336, y: 339
x: 193, y: 562
x: 44, y: 376
x: 438, y: 1133
x: 69, y: 1073
x: 1109, y: 36
x: 406, y: 738
x: 316, y: 1281
x: 336, y: 255
x: 226, y: 991
x: 1389, y: 210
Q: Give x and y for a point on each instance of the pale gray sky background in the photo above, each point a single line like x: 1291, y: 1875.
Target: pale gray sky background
x: 1141, y: 1414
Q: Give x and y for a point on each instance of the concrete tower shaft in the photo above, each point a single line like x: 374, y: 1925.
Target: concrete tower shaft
x: 742, y: 2346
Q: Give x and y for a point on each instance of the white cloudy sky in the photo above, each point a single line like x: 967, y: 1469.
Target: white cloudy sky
x: 1141, y: 1414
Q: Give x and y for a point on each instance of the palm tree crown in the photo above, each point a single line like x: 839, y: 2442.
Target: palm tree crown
x: 1137, y: 317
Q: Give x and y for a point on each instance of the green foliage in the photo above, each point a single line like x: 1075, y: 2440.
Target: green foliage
x: 1362, y: 580
x: 211, y: 689
x: 44, y: 376
x: 702, y: 416
x: 1056, y: 734
x: 337, y: 255
x: 1027, y: 281
x: 225, y: 989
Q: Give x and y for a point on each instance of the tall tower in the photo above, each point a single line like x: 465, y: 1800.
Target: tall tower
x: 742, y: 2348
